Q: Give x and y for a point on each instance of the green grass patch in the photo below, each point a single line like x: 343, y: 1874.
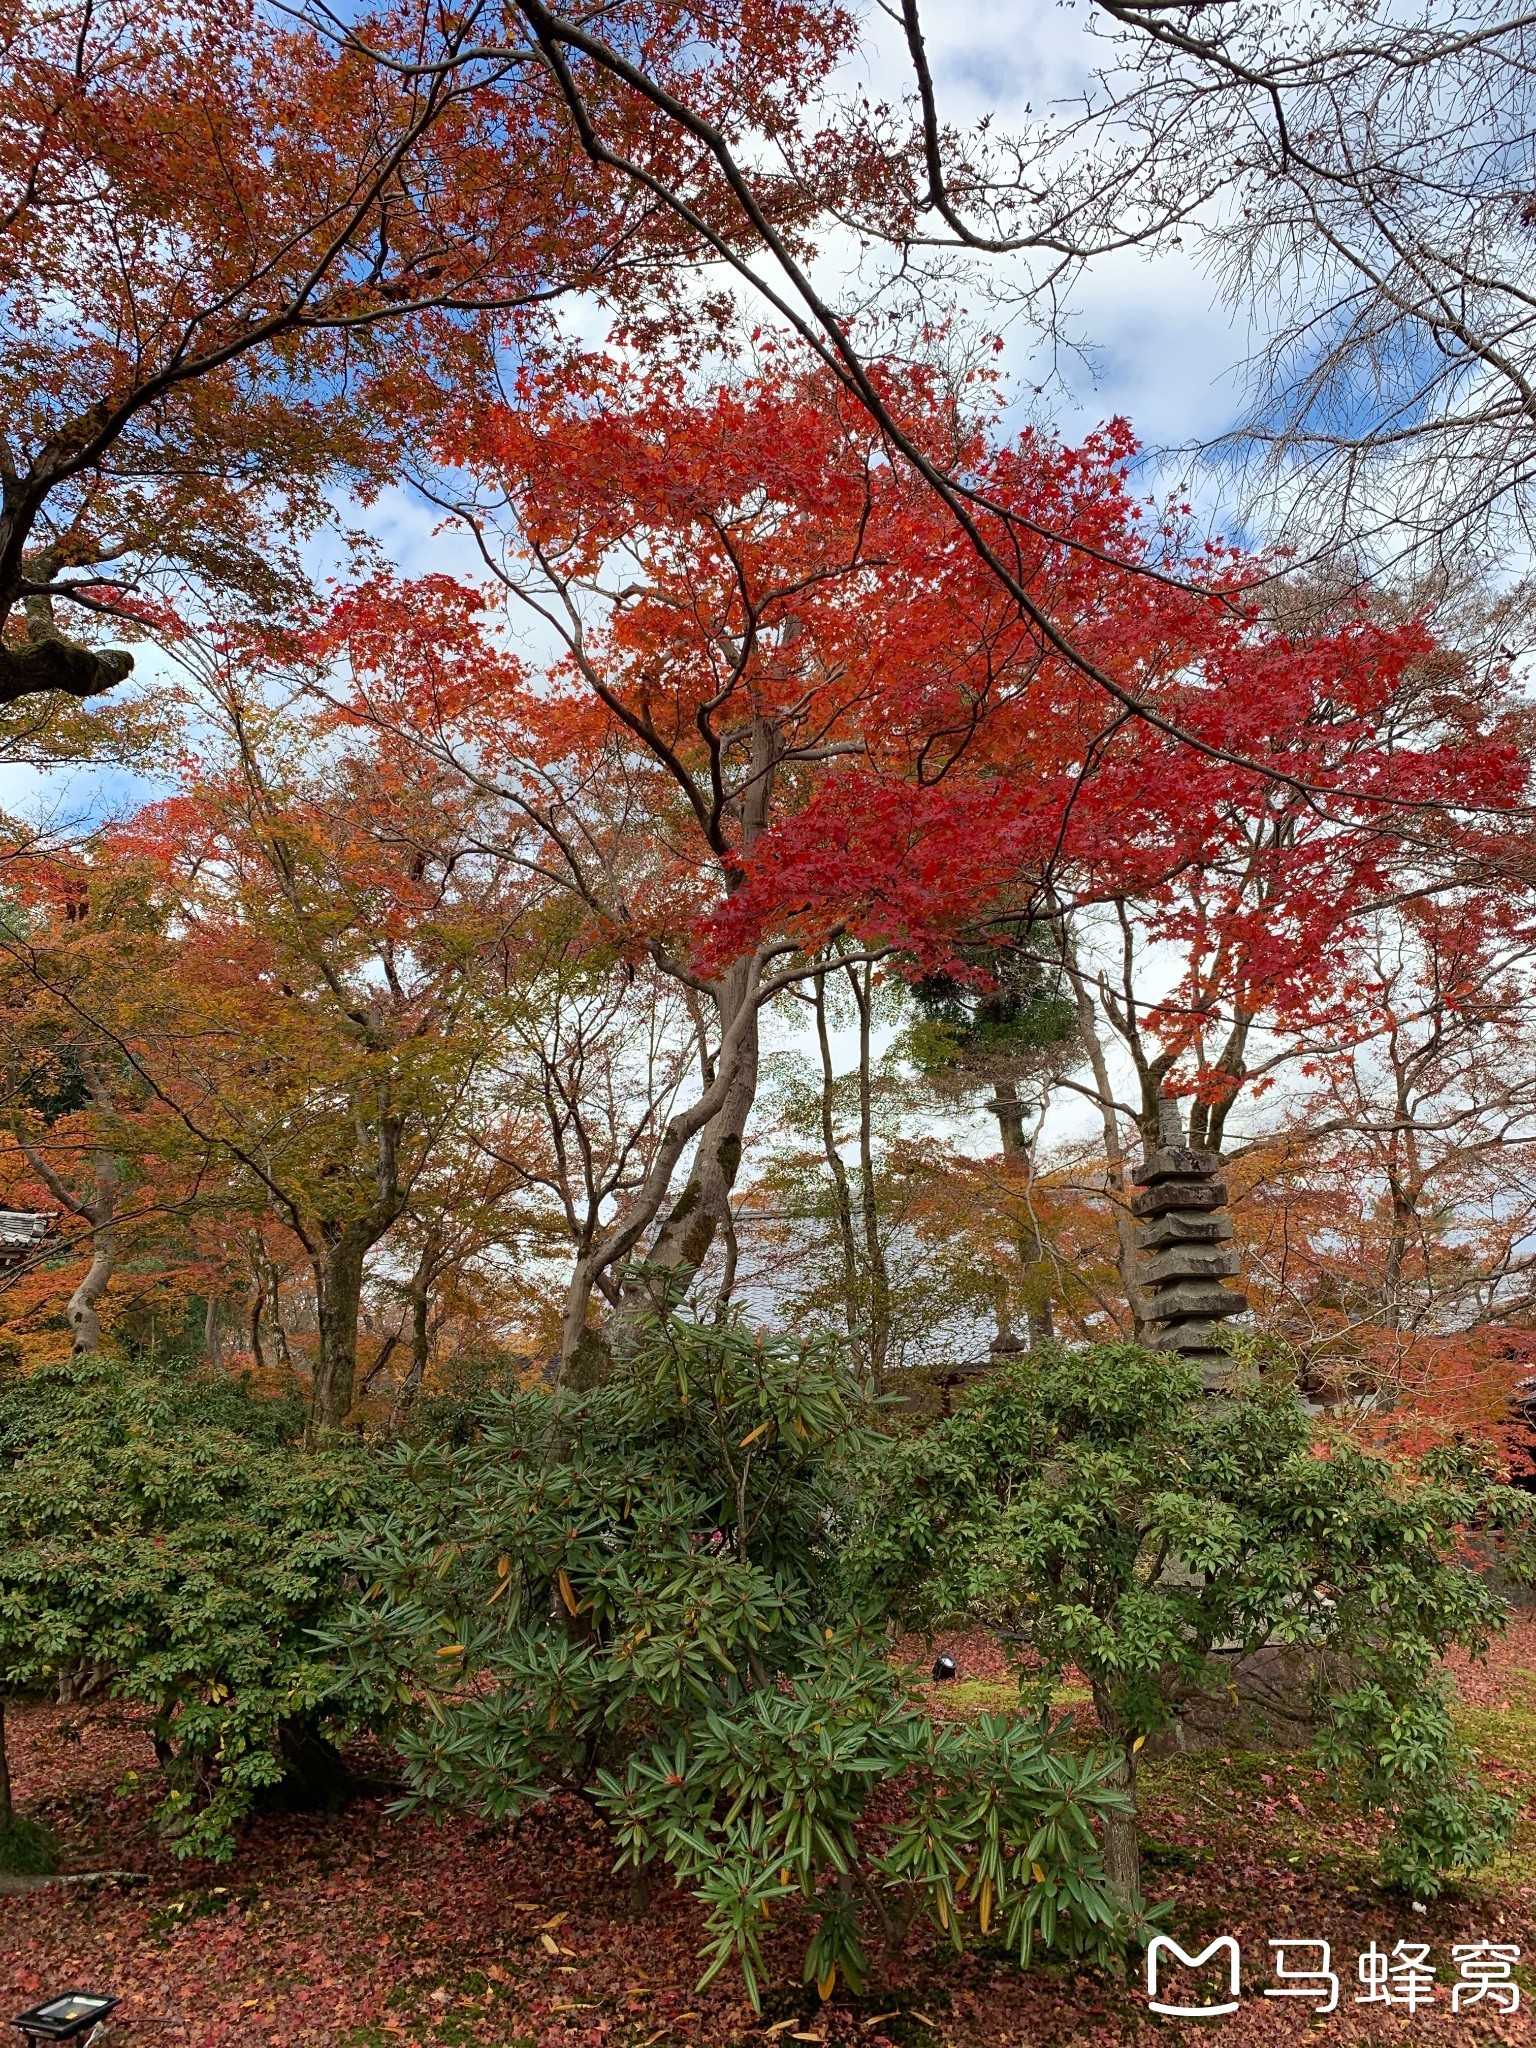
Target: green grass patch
x: 27, y: 1849
x: 1001, y: 1695
x: 978, y: 1695
x: 1506, y: 1736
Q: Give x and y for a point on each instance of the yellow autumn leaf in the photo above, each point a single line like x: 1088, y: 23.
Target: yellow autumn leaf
x: 753, y: 1434
x: 566, y: 1594
x: 1137, y: 1744
x: 1039, y: 1874
x: 451, y: 1650
x: 503, y: 1566
x: 986, y: 1904
x: 825, y: 1986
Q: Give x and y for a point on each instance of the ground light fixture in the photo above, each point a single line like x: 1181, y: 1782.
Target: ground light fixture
x: 945, y: 1669
x: 66, y: 2016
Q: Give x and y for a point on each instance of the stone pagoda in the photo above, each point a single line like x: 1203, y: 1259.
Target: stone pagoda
x: 1184, y: 1238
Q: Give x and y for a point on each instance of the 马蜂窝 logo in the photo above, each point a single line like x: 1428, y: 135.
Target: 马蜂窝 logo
x: 1303, y: 1968
x: 1160, y: 1942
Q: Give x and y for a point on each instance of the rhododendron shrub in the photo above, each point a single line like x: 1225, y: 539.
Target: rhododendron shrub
x: 160, y: 1537
x: 636, y: 1596
x: 1095, y: 1505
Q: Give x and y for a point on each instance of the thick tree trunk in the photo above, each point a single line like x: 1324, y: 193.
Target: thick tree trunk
x: 1009, y: 1111
x: 338, y: 1297
x: 1122, y: 1839
x: 1037, y: 1309
x: 419, y: 1294
x: 274, y: 1289
x: 99, y: 1210
x: 1397, y: 1252
x: 1122, y: 1849
x: 28, y: 668
x: 586, y: 1354
x: 1036, y: 1272
x: 421, y: 1342
x: 702, y: 1210
x: 84, y: 1320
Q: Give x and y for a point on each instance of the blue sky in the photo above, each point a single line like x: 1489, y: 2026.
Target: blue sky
x: 1163, y: 348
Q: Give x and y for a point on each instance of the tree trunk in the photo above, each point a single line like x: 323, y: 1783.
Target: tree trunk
x: 1009, y: 1111
x: 7, y: 1810
x: 421, y: 1343
x: 1128, y: 1259
x: 212, y: 1349
x: 83, y: 1318
x: 842, y: 1201
x: 99, y: 1210
x: 1393, y: 1291
x: 1037, y: 1306
x: 338, y: 1297
x: 258, y: 1298
x: 274, y: 1286
x: 862, y: 980
x: 702, y: 1210
x: 586, y: 1354
x: 382, y: 1356
x: 420, y: 1296
x: 1122, y: 1841
x: 1122, y: 1849
x: 1035, y: 1268
x: 1036, y: 1272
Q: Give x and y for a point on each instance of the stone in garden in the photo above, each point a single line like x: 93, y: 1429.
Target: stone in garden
x: 1195, y: 1298
x: 1176, y: 1162
x: 1181, y: 1226
x: 1174, y: 1194
x: 1264, y: 1701
x: 1190, y: 1262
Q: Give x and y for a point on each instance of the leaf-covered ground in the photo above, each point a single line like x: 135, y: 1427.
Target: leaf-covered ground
x: 367, y: 1930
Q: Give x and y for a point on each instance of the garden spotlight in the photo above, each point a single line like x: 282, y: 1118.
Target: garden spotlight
x: 65, y: 2017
